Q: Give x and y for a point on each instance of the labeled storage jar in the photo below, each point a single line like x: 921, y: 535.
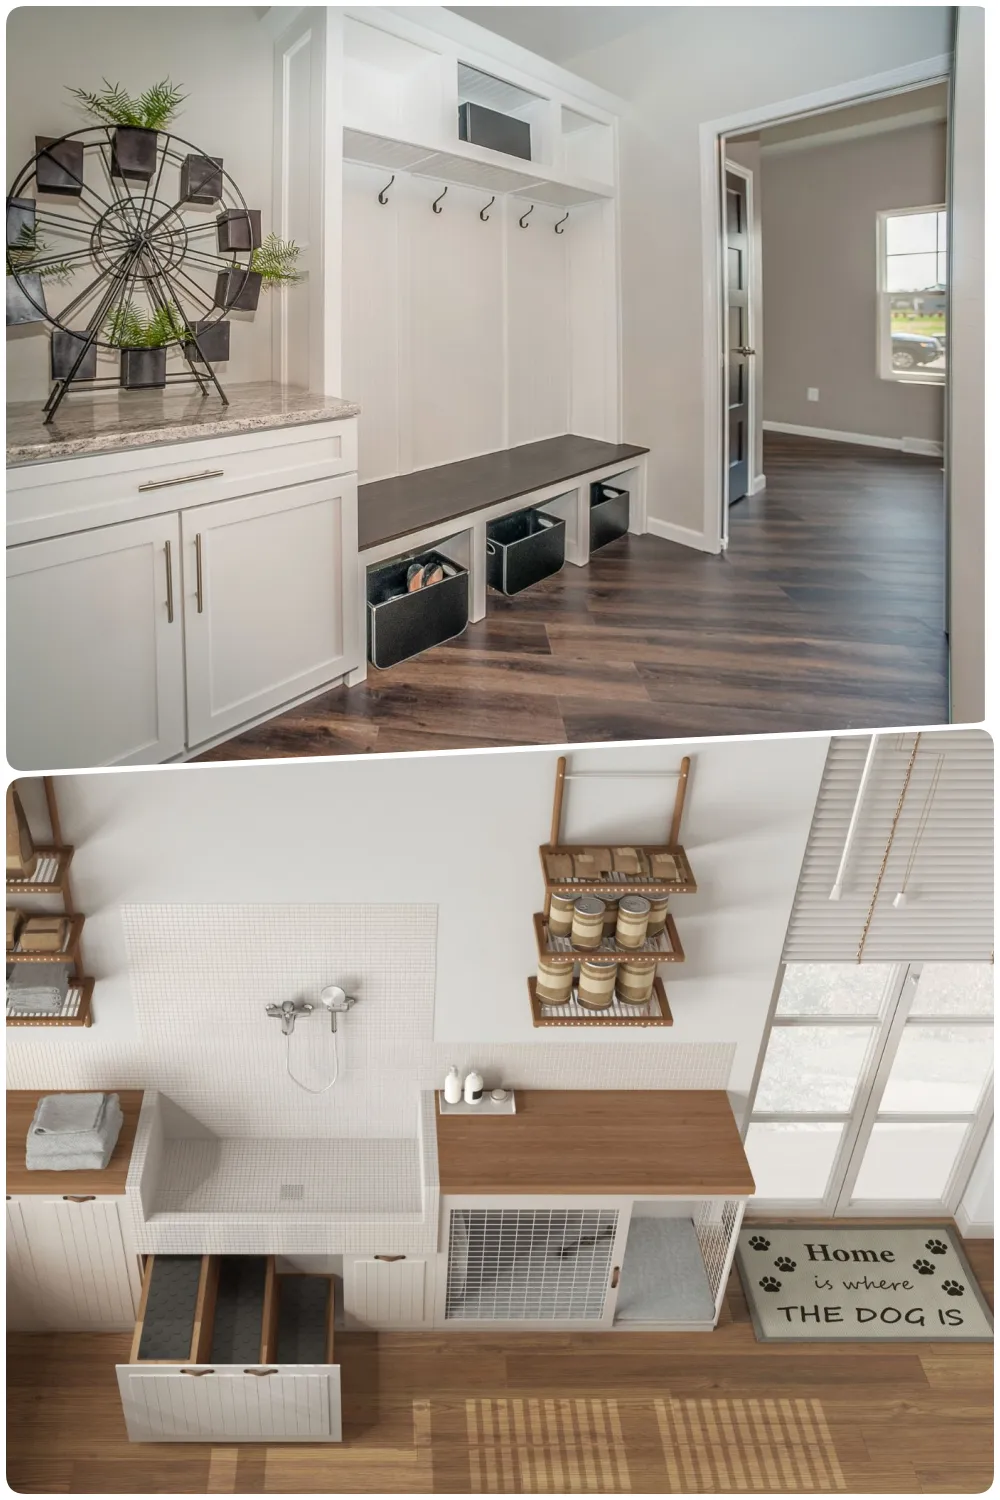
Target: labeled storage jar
x: 633, y: 921
x: 588, y: 922
x: 554, y: 983
x: 596, y: 985
x: 634, y: 984
x: 657, y: 915
x: 561, y: 915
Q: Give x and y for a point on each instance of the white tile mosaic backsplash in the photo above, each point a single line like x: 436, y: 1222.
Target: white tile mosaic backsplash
x: 202, y: 975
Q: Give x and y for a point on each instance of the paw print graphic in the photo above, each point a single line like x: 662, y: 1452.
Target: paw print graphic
x: 936, y: 1247
x: 925, y: 1267
x: 784, y: 1263
x: 770, y: 1283
x: 953, y: 1288
x: 758, y: 1242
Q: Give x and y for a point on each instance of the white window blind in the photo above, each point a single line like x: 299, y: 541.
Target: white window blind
x: 941, y: 854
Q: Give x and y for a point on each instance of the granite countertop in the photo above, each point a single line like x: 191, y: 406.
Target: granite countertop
x: 109, y: 423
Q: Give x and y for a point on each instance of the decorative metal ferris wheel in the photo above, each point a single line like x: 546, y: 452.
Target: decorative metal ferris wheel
x: 135, y: 243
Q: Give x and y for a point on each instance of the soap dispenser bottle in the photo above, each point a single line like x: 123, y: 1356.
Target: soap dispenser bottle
x: 453, y: 1086
x: 473, y: 1087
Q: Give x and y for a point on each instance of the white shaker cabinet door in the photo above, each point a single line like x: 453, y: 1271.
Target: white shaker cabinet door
x: 269, y: 584
x: 23, y: 1315
x: 95, y: 651
x: 205, y: 1403
x: 387, y: 1293
x: 76, y: 1267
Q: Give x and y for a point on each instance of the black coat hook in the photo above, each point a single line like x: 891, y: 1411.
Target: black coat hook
x: 483, y: 213
x: 436, y: 205
x: 523, y: 220
x: 381, y: 197
x: 559, y: 226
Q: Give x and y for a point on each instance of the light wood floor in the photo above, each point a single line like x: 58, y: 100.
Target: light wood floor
x: 826, y: 613
x: 556, y: 1413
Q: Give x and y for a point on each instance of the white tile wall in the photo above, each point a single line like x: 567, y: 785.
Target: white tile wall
x: 201, y: 976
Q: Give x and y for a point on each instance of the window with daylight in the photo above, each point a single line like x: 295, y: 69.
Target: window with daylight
x: 875, y: 1088
x: 912, y: 295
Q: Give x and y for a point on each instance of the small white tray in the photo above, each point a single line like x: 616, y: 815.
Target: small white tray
x: 486, y: 1105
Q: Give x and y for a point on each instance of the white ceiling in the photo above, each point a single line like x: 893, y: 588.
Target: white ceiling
x: 561, y: 32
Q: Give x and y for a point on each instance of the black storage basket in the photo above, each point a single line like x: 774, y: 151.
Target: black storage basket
x: 608, y: 514
x: 523, y: 549
x: 400, y: 624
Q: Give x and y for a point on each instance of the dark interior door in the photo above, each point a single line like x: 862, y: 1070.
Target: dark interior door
x: 738, y: 351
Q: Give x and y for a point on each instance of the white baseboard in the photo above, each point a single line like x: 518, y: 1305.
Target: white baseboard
x: 864, y: 439
x: 760, y: 483
x: 973, y: 1229
x: 682, y: 534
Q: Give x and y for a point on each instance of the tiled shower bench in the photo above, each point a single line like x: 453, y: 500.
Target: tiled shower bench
x: 449, y: 506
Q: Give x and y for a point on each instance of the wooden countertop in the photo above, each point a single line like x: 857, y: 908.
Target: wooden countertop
x: 21, y: 1106
x: 662, y: 1142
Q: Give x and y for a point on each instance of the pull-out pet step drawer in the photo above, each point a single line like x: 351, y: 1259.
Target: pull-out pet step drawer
x: 231, y: 1403
x: 171, y: 1326
x: 304, y: 1324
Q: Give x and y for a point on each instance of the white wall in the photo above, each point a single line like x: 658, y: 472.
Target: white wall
x: 975, y: 1214
x: 820, y: 212
x: 966, y: 352
x: 220, y: 56
x: 687, y: 65
x: 457, y: 832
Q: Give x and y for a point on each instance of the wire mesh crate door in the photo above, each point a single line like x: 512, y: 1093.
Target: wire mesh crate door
x: 717, y: 1223
x: 529, y: 1265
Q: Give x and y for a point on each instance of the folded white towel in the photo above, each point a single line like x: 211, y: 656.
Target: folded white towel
x: 100, y: 1141
x: 81, y: 1161
x: 69, y: 1114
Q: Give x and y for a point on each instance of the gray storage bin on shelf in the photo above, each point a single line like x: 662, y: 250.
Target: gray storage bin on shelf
x: 488, y: 127
x: 608, y: 514
x: 523, y: 549
x: 400, y: 624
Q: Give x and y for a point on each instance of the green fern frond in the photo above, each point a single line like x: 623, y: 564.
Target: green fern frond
x: 114, y: 105
x: 130, y: 327
x: 274, y: 260
x: 166, y: 326
x: 28, y: 250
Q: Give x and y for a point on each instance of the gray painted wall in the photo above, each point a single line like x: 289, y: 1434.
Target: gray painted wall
x: 819, y: 212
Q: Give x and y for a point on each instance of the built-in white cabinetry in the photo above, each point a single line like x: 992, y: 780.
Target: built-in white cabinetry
x: 70, y: 1265
x: 388, y: 1291
x: 163, y: 601
x: 267, y: 584
x: 95, y: 648
x: 231, y: 1403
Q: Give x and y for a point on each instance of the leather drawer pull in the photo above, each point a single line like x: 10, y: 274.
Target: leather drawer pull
x: 68, y: 1198
x: 164, y: 484
x: 615, y: 1274
x: 271, y: 1371
x: 197, y: 1372
x: 390, y: 1257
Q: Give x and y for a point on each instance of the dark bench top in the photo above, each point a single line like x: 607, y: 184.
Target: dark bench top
x: 393, y: 508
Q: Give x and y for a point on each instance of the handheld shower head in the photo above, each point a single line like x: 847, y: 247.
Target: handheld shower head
x: 337, y: 1001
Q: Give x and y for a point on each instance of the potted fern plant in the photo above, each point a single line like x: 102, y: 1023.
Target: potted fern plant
x: 137, y: 120
x: 272, y: 264
x: 143, y: 340
x: 27, y: 254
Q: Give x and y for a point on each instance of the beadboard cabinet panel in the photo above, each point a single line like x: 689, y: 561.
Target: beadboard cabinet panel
x: 227, y: 1403
x: 95, y: 663
x: 387, y: 1293
x: 268, y: 600
x: 72, y: 1264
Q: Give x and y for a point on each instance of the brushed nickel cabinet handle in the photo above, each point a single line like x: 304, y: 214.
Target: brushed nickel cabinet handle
x: 390, y: 1257
x: 745, y: 349
x: 615, y: 1274
x: 165, y: 484
x: 197, y: 1372
x: 200, y: 583
x: 270, y: 1371
x: 170, y: 583
x: 69, y: 1198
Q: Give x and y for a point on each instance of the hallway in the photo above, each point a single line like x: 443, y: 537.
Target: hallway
x: 826, y: 613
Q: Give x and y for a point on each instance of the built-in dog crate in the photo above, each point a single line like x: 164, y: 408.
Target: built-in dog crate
x: 227, y: 1350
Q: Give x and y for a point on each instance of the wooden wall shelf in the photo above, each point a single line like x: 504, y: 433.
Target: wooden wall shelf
x: 656, y: 1013
x: 614, y: 882
x: 75, y: 1012
x: 51, y: 876
x: 68, y: 954
x: 665, y: 947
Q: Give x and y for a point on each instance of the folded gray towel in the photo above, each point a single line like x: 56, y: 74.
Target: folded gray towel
x: 83, y: 1161
x: 100, y: 1141
x: 37, y: 988
x: 68, y: 1114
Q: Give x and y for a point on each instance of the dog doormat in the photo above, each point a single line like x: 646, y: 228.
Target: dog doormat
x: 860, y: 1283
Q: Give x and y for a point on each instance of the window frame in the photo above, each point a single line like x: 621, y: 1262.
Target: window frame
x: 920, y: 375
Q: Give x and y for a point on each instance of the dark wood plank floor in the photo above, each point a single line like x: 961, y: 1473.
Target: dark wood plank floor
x: 827, y: 613
x: 616, y: 1413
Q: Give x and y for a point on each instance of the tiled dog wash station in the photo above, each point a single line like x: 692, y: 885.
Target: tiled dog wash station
x: 278, y: 1036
